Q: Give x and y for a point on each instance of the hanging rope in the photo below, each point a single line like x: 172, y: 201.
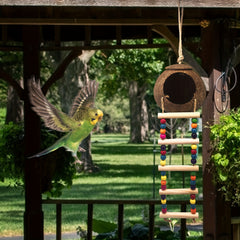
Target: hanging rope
x: 180, y: 22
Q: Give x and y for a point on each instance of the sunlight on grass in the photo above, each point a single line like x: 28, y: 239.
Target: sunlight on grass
x: 126, y: 173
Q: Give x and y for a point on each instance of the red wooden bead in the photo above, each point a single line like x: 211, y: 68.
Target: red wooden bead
x: 163, y: 152
x: 193, y: 151
x: 192, y: 196
x: 163, y: 121
x: 164, y: 210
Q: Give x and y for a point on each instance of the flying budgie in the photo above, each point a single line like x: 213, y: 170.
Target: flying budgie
x: 78, y: 124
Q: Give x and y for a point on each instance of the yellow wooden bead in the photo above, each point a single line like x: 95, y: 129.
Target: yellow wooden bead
x: 194, y: 146
x: 163, y: 162
x: 163, y: 177
x: 164, y: 201
x: 192, y: 201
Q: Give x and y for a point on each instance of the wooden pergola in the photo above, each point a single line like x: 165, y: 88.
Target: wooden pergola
x: 33, y: 26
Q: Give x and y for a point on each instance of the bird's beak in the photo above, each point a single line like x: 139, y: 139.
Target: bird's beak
x: 100, y: 115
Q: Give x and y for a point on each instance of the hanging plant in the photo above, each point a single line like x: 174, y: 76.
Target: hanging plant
x: 225, y: 137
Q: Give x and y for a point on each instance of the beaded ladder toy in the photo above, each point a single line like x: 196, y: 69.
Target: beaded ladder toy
x: 192, y: 191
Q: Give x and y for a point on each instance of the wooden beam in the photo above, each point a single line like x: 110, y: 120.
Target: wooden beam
x: 33, y: 215
x: 124, y: 3
x: 187, y: 215
x: 97, y: 22
x: 94, y: 47
x: 216, y: 224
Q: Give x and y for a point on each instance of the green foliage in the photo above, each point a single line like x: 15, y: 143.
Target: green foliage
x: 132, y: 231
x: 57, y: 169
x: 225, y: 137
x: 11, y: 152
x: 115, y: 69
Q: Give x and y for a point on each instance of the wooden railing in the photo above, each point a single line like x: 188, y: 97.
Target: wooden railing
x: 121, y: 203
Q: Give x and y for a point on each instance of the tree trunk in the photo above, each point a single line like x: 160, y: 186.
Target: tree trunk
x: 14, y: 106
x: 75, y: 77
x: 138, y: 115
x: 86, y: 157
x: 144, y: 122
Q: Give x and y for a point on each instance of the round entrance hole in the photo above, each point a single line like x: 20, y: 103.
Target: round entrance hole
x: 179, y: 87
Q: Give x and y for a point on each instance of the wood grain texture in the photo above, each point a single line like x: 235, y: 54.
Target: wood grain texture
x: 124, y: 3
x: 178, y: 141
x: 179, y: 168
x: 186, y: 215
x: 179, y: 115
x: 178, y: 191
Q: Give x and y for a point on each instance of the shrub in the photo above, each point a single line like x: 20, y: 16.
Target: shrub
x: 225, y: 137
x: 57, y: 170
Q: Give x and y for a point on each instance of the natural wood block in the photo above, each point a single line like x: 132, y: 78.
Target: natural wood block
x: 187, y: 215
x: 178, y: 191
x: 179, y: 115
x: 179, y: 168
x: 174, y: 141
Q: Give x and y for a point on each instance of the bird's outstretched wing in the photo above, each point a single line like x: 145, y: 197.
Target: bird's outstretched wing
x: 52, y: 117
x: 84, y: 100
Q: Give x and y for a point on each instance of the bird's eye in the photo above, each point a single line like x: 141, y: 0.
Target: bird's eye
x: 96, y: 114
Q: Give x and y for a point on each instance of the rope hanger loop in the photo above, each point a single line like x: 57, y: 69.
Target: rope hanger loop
x: 180, y: 23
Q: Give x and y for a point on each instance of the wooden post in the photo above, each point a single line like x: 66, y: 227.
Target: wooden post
x: 216, y: 213
x: 33, y: 215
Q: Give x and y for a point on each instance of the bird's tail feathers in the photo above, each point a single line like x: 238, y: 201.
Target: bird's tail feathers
x: 46, y: 151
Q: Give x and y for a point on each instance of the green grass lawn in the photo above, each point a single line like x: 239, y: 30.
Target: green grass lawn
x: 126, y: 173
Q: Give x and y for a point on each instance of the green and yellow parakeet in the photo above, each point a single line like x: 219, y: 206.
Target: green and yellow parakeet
x: 78, y: 124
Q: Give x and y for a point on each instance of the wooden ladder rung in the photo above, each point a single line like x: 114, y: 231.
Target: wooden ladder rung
x: 186, y: 215
x: 178, y: 191
x: 178, y: 168
x: 179, y: 115
x: 174, y: 141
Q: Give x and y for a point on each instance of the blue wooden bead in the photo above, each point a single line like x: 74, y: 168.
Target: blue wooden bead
x: 164, y: 206
x: 193, y: 206
x: 192, y: 182
x: 163, y: 173
x: 163, y: 157
x: 194, y: 156
x: 163, y: 126
x: 194, y: 130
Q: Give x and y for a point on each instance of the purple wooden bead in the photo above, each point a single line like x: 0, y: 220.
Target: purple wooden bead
x: 193, y: 161
x: 163, y: 187
x: 163, y: 197
x: 163, y: 147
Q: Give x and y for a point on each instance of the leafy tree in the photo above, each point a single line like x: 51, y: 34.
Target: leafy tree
x: 129, y: 73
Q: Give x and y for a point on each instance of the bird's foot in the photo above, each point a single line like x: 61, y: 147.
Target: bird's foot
x: 78, y: 164
x: 80, y: 149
